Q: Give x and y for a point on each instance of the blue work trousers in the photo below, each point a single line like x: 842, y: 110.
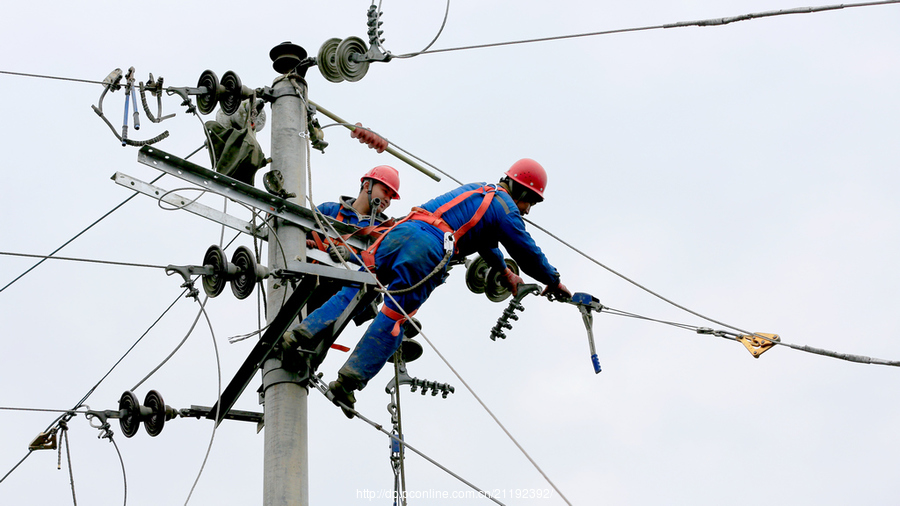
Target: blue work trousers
x: 407, y: 255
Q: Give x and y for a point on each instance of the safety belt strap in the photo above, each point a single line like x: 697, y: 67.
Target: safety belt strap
x: 399, y: 318
x: 434, y: 218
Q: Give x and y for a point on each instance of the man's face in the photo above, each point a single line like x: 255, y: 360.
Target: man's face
x: 384, y: 193
x: 523, y: 206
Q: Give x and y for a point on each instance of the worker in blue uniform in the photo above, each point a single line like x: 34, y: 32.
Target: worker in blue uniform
x: 411, y: 260
x: 378, y: 188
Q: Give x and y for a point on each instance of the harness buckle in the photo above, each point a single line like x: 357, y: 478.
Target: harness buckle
x: 448, y: 242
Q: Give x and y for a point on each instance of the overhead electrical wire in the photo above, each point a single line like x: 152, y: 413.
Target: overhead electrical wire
x: 440, y: 30
x: 212, y: 437
x: 680, y: 24
x: 103, y: 378
x: 322, y: 388
x: 98, y: 220
x: 86, y: 260
x: 708, y: 22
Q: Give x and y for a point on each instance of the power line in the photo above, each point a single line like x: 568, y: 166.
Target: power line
x: 86, y: 260
x: 76, y: 236
x: 92, y: 389
x: 323, y: 389
x: 680, y: 24
x: 42, y: 76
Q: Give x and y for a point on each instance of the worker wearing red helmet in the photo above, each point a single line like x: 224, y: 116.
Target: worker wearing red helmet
x: 378, y: 187
x: 411, y: 260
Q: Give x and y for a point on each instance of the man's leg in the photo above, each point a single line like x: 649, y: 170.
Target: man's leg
x: 320, y: 319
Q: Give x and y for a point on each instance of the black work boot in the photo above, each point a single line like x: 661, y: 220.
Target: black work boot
x: 340, y: 392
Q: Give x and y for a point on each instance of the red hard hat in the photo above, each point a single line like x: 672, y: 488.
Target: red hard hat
x: 530, y: 174
x: 386, y: 175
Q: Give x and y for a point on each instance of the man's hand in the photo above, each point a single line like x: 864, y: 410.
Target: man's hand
x: 511, y: 280
x: 559, y: 292
x: 339, y: 252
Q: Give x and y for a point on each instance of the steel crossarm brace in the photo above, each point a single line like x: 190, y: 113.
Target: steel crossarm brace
x: 179, y: 202
x: 240, y: 192
x: 340, y: 274
x: 234, y: 414
x: 271, y: 338
x: 266, y: 345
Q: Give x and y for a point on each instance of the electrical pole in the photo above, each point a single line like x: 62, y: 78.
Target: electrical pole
x: 286, y: 467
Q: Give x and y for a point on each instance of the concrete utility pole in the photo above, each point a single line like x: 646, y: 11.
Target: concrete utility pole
x: 286, y: 473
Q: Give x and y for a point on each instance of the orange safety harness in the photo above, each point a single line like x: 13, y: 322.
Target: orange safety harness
x: 434, y: 218
x: 371, y: 230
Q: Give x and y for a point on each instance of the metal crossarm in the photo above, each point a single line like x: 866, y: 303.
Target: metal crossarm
x: 241, y: 192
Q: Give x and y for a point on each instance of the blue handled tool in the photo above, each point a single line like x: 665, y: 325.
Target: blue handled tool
x: 587, y: 303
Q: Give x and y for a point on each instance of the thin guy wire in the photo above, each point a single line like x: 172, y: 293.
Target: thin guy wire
x: 704, y: 22
x: 189, y: 332
x: 317, y: 383
x: 218, y: 401
x: 440, y: 30
x: 124, y: 478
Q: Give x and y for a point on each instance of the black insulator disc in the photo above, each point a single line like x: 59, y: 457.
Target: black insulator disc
x: 215, y: 283
x: 206, y: 102
x: 476, y: 273
x: 231, y: 96
x: 129, y: 414
x: 157, y: 419
x: 327, y: 61
x: 347, y: 51
x: 493, y: 289
x: 410, y: 350
x: 245, y: 279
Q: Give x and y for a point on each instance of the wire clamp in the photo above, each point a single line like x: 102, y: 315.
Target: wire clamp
x: 758, y: 343
x: 44, y: 441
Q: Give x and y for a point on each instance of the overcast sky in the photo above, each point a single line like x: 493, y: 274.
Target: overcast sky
x: 747, y: 172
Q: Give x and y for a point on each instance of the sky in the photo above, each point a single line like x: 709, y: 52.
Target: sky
x: 747, y: 172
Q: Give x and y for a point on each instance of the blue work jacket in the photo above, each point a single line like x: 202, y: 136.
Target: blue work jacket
x: 348, y: 214
x: 501, y: 224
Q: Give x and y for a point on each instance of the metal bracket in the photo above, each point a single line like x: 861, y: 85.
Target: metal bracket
x: 403, y: 378
x: 179, y: 202
x: 757, y: 345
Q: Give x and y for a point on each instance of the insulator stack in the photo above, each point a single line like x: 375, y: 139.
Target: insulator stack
x: 370, y: 138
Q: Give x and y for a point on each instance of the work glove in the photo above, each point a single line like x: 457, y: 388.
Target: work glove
x: 339, y: 252
x: 511, y: 280
x: 558, y: 291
